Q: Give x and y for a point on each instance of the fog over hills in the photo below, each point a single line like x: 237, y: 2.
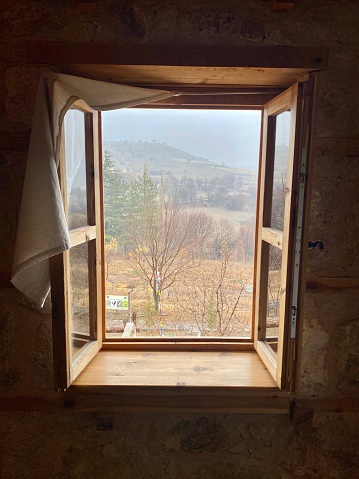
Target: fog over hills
x: 160, y: 158
x: 221, y: 136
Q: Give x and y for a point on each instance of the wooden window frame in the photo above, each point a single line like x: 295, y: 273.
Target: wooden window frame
x: 289, y: 100
x: 282, y: 370
x: 67, y: 367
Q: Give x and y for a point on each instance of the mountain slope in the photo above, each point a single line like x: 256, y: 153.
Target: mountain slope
x: 161, y: 159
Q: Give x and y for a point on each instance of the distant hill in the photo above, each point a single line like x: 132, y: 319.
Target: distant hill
x: 161, y: 159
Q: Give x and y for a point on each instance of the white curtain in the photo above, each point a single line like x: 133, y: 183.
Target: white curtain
x: 75, y: 149
x: 42, y: 228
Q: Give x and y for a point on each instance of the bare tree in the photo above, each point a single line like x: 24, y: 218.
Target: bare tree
x: 245, y: 241
x: 278, y: 203
x: 223, y: 238
x: 273, y: 303
x: 167, y: 241
x: 213, y: 302
x: 277, y: 220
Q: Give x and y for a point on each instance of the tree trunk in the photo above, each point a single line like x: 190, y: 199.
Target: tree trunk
x: 155, y: 297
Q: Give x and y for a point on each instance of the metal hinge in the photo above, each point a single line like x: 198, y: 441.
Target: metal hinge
x: 298, y: 242
x: 293, y: 322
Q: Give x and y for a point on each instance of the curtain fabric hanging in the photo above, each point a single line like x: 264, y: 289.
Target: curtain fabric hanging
x: 42, y: 228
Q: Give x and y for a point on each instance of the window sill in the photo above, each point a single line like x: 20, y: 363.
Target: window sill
x: 198, y: 381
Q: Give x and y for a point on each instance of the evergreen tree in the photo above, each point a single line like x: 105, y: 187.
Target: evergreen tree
x: 143, y: 209
x: 115, y: 200
x: 142, y: 195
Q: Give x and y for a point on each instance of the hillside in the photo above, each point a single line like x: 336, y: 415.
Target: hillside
x: 162, y: 158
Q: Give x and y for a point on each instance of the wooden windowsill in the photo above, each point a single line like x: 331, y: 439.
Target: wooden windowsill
x: 202, y: 381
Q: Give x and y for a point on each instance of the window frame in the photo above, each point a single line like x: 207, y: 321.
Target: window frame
x: 300, y: 100
x: 66, y: 366
x: 289, y: 100
x: 57, y: 271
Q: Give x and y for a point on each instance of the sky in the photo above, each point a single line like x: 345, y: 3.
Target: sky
x: 229, y: 136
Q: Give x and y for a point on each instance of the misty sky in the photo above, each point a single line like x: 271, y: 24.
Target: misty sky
x: 229, y: 136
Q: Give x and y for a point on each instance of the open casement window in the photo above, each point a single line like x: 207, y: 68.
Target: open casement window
x: 76, y: 274
x: 285, y: 136
x: 77, y: 282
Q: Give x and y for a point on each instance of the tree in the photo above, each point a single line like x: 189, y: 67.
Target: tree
x: 212, y: 301
x: 142, y: 194
x: 277, y: 221
x: 110, y: 254
x: 222, y: 238
x: 235, y: 202
x: 278, y: 204
x: 167, y: 239
x: 245, y: 241
x: 115, y: 200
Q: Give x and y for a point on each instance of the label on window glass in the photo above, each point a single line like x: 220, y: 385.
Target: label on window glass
x: 117, y: 302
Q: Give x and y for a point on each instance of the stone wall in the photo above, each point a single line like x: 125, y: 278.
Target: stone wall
x: 57, y: 443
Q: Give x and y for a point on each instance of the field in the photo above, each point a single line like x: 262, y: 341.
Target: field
x: 214, y: 299
x: 202, y: 302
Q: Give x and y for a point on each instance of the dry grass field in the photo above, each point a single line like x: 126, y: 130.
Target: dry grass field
x: 203, y: 301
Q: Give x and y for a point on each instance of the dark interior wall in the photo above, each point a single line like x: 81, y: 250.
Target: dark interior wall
x: 54, y: 442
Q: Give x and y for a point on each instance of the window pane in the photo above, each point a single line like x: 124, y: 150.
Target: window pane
x: 273, y: 301
x: 280, y: 169
x: 79, y: 297
x: 180, y: 207
x: 76, y: 168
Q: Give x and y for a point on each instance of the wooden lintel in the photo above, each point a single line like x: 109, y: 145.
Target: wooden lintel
x: 328, y: 405
x: 64, y: 53
x: 27, y: 404
x: 146, y: 400
x: 301, y: 417
x: 319, y: 284
x: 346, y: 146
x: 14, y: 141
x: 211, y: 400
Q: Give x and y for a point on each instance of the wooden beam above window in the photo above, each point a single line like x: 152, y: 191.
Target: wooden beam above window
x: 176, y: 64
x: 309, y: 58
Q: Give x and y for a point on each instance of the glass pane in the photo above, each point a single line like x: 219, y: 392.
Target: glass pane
x: 280, y: 169
x: 79, y: 297
x: 180, y: 206
x: 273, y: 301
x: 76, y: 168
